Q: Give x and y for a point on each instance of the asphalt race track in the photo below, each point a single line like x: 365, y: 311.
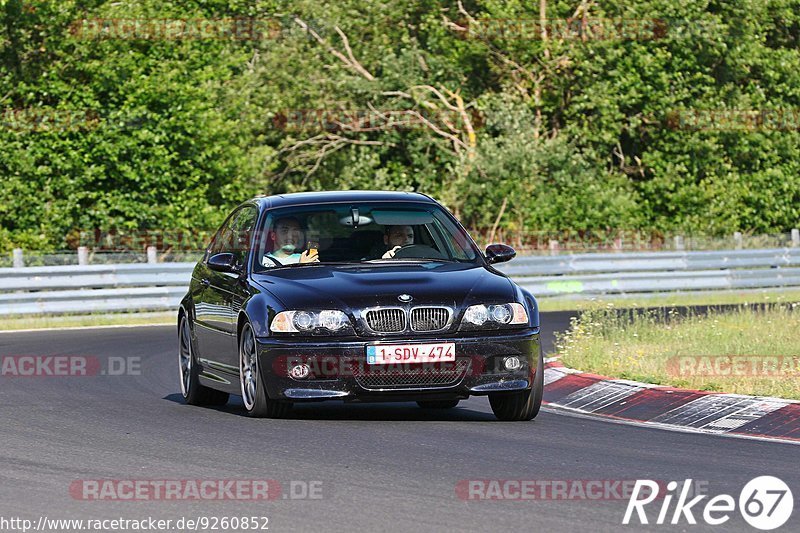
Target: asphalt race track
x: 373, y: 467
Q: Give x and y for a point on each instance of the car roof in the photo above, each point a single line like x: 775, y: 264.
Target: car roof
x: 304, y: 198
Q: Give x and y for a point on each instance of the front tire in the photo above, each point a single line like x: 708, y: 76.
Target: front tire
x: 523, y: 405
x: 193, y: 392
x: 254, y: 394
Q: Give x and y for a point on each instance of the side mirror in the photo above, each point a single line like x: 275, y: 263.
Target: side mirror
x: 499, y: 253
x: 224, y: 262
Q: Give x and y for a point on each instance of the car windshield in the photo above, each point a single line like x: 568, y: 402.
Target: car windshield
x: 358, y: 233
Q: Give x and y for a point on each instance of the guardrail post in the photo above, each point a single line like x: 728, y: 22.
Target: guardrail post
x: 679, y: 242
x: 83, y: 255
x: 152, y: 256
x: 553, y: 247
x: 18, y: 260
x: 795, y: 238
x: 737, y: 240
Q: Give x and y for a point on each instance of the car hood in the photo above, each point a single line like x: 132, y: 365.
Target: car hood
x: 357, y: 287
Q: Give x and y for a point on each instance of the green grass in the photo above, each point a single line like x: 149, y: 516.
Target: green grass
x: 743, y: 297
x: 71, y: 321
x: 654, y: 347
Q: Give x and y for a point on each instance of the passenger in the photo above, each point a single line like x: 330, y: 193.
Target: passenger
x: 288, y: 243
x: 396, y: 237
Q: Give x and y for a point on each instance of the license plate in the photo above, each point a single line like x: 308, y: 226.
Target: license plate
x: 382, y: 354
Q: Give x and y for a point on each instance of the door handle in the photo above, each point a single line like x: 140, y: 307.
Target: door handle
x: 205, y: 282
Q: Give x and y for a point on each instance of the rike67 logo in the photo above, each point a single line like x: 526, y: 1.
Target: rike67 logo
x: 765, y: 503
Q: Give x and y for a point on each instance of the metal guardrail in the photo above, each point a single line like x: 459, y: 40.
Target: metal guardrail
x: 650, y: 261
x: 153, y: 287
x: 616, y: 273
x: 93, y: 288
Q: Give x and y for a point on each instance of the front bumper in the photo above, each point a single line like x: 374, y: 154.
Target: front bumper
x: 339, y: 369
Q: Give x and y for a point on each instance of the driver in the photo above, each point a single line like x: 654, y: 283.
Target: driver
x: 288, y: 242
x: 396, y: 237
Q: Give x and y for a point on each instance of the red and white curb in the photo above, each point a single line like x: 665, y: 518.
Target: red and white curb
x: 667, y: 407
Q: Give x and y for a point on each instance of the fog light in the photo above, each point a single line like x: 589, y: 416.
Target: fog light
x: 300, y: 371
x: 512, y: 363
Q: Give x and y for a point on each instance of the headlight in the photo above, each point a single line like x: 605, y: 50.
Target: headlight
x: 306, y: 321
x: 495, y: 315
x: 501, y: 314
x: 332, y: 320
x: 303, y: 321
x: 476, y: 314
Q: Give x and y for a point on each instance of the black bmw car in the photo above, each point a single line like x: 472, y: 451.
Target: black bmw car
x: 356, y: 296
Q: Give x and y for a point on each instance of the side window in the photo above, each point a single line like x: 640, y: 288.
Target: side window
x: 445, y: 241
x: 220, y: 242
x: 241, y: 234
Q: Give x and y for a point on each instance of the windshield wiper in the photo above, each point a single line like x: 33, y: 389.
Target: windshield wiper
x: 317, y: 263
x: 409, y: 260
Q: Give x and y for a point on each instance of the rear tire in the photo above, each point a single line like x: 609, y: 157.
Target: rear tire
x: 523, y: 405
x: 254, y: 394
x: 193, y: 392
x: 438, y: 404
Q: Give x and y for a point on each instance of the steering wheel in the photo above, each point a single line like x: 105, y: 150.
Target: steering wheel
x: 270, y: 258
x: 418, y: 251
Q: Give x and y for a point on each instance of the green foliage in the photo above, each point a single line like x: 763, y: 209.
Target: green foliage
x: 573, y: 134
